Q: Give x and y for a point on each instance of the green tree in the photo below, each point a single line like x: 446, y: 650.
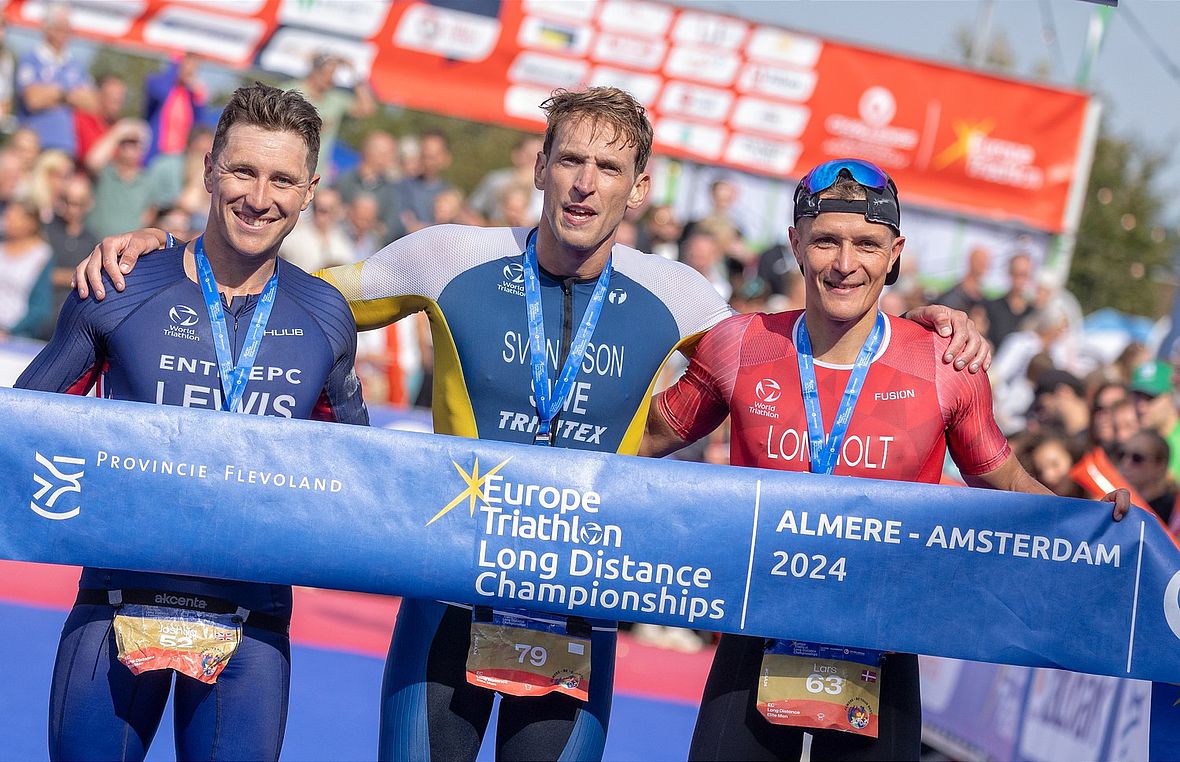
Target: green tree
x: 1120, y: 246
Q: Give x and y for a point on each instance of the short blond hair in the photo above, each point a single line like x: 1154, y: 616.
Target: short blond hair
x: 608, y: 105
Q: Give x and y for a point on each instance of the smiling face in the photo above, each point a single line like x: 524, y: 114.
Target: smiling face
x: 259, y: 183
x: 845, y: 260
x: 589, y: 180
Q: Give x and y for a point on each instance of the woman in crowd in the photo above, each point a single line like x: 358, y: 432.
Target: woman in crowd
x: 50, y: 172
x: 24, y: 270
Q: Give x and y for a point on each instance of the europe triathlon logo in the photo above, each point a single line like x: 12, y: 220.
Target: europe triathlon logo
x: 52, y: 484
x: 474, y: 490
x: 523, y: 510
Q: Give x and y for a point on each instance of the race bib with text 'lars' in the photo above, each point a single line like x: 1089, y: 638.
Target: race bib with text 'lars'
x: 811, y: 685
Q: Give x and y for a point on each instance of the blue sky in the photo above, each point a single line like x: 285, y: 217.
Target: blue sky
x: 1141, y: 97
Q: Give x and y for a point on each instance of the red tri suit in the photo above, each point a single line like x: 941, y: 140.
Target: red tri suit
x: 911, y: 406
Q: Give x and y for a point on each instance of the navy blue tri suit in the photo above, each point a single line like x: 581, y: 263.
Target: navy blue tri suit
x: 469, y: 281
x: 153, y: 343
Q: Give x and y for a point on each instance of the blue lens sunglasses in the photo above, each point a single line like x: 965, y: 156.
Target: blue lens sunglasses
x: 824, y: 176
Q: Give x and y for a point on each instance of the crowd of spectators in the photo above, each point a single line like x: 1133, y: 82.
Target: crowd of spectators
x: 76, y: 165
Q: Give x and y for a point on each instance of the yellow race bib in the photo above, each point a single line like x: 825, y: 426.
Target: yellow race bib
x: 811, y: 685
x: 521, y: 655
x: 192, y: 643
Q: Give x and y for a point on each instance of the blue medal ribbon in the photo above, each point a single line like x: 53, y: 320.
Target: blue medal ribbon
x: 825, y: 449
x: 549, y: 405
x: 233, y: 375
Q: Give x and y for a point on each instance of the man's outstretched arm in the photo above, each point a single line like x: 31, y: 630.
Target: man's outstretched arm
x: 1011, y: 476
x: 968, y: 348
x: 116, y: 255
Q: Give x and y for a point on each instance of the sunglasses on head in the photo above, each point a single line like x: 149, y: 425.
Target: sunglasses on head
x: 825, y: 175
x: 879, y: 206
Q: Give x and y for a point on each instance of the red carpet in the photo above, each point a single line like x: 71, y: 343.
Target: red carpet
x: 361, y: 624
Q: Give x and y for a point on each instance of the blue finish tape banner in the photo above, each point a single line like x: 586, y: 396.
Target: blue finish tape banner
x: 971, y: 574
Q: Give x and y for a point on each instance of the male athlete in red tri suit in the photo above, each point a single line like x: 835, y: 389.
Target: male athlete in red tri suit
x: 836, y: 388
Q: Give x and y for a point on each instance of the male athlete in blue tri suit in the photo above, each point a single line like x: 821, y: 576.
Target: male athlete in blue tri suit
x: 632, y: 311
x: 220, y: 325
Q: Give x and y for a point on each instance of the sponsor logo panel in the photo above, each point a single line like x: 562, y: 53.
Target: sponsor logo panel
x: 778, y: 82
x: 542, y: 69
x: 710, y: 29
x: 446, y: 33
x: 524, y: 101
x: 626, y: 50
x: 784, y: 47
x: 781, y: 119
x: 702, y: 139
x: 104, y: 18
x: 574, y: 10
x: 763, y: 154
x: 646, y: 19
x: 352, y: 18
x: 555, y: 36
x: 706, y: 103
x: 230, y: 38
x: 716, y: 67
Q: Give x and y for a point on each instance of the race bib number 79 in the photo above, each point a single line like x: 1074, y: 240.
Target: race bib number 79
x: 522, y: 656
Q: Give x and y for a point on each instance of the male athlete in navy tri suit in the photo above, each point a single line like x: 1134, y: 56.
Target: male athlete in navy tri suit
x: 623, y: 312
x: 219, y: 324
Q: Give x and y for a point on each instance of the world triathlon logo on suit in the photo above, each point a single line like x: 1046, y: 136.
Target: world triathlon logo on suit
x: 183, y: 315
x: 183, y: 318
x: 513, y: 282
x: 53, y: 481
x: 766, y: 393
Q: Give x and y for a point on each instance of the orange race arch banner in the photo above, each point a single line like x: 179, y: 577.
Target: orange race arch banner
x: 721, y: 90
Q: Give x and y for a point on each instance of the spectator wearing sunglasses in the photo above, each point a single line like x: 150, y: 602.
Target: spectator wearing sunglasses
x: 1106, y: 398
x: 1152, y: 390
x: 1143, y: 461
